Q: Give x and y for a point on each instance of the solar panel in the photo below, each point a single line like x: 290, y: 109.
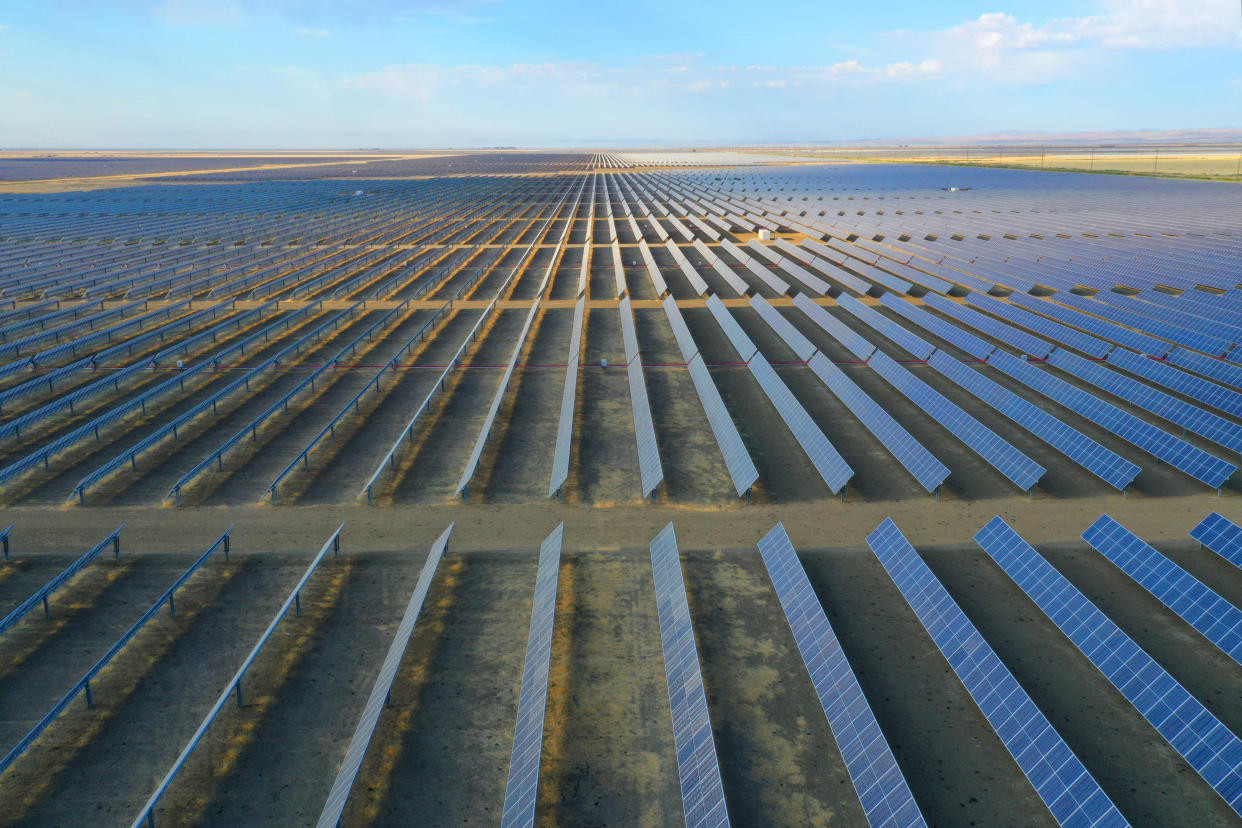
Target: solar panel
x: 1211, y: 615
x: 650, y: 470
x: 783, y: 327
x: 685, y: 342
x: 702, y: 794
x: 653, y: 270
x: 910, y: 342
x: 618, y: 268
x: 1065, y: 786
x: 947, y: 331
x: 1191, y: 339
x: 565, y: 427
x: 1209, y: 393
x: 1088, y: 344
x: 1107, y: 330
x: 756, y: 268
x: 823, y: 456
x: 921, y: 463
x: 1221, y: 536
x: 882, y: 790
x: 1206, y: 744
x: 1095, y: 458
x: 1021, y: 470
x: 1179, y: 454
x: 737, y: 283
x: 519, y: 807
x: 1190, y: 417
x: 330, y: 817
x: 741, y: 342
x: 1217, y: 369
x: 741, y: 467
x: 835, y: 328
x: 1021, y: 340
x: 692, y: 275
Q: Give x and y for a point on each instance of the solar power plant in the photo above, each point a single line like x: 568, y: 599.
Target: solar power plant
x: 242, y: 397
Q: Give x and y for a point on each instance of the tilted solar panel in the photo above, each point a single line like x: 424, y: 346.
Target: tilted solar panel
x: 822, y: 454
x: 1021, y: 340
x: 1211, y: 615
x: 702, y: 794
x: 882, y: 790
x: 685, y: 342
x: 1221, y: 536
x: 523, y: 784
x: 650, y: 469
x: 1179, y: 454
x: 1057, y: 332
x: 1209, y: 393
x: 565, y: 428
x: 835, y: 328
x: 1065, y: 786
x: 918, y: 347
x: 921, y: 463
x: 947, y: 331
x: 741, y: 342
x: 783, y: 327
x: 1021, y: 470
x: 1206, y: 744
x: 741, y: 467
x: 1095, y: 458
x: 1188, y: 416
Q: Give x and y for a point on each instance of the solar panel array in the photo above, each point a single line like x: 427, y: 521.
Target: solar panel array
x: 1183, y: 382
x: 919, y: 348
x: 1057, y: 332
x: 1020, y: 470
x: 1210, y: 748
x: 1221, y: 536
x: 702, y: 794
x: 650, y: 470
x: 1109, y: 466
x: 338, y: 794
x: 949, y: 332
x: 1219, y: 621
x: 1060, y: 779
x: 882, y: 790
x: 523, y: 784
x: 565, y: 430
x: 1190, y: 459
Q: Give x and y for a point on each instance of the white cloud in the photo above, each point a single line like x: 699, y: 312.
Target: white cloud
x: 1011, y: 50
x: 313, y: 32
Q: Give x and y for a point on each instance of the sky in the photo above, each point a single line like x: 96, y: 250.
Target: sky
x: 456, y: 73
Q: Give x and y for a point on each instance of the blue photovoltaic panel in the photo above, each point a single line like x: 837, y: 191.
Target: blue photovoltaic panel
x: 1061, y: 781
x: 653, y: 270
x: 1209, y: 393
x: 519, y: 807
x: 330, y: 817
x: 1217, y: 369
x: 823, y: 456
x: 835, y: 328
x: 681, y: 333
x: 565, y: 427
x: 702, y: 794
x: 1095, y: 458
x: 882, y: 790
x: 1191, y: 339
x: 1190, y: 417
x: 741, y: 342
x: 1021, y: 340
x: 916, y: 459
x: 947, y: 331
x: 1218, y: 620
x: 1021, y: 470
x: 650, y: 470
x: 915, y: 345
x: 1206, y: 744
x: 1107, y: 330
x: 1179, y: 454
x: 1221, y: 536
x: 741, y: 467
x: 783, y: 327
x: 1088, y: 344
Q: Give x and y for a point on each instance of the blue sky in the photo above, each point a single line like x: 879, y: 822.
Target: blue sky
x: 427, y: 73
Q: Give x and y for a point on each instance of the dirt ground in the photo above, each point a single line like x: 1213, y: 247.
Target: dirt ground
x: 441, y: 752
